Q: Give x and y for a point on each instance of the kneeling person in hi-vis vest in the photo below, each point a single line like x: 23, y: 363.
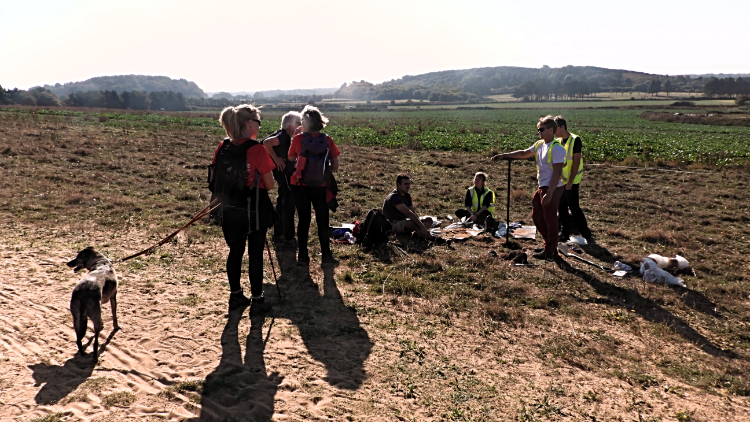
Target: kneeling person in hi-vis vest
x: 550, y: 160
x: 571, y: 175
x: 480, y: 203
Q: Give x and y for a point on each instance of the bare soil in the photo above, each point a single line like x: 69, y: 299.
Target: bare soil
x: 408, y: 331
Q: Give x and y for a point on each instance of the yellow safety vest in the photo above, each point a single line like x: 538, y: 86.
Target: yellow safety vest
x: 568, y: 168
x: 476, y: 202
x: 549, y: 154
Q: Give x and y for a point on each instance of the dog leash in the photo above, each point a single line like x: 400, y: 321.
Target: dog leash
x: 202, y: 213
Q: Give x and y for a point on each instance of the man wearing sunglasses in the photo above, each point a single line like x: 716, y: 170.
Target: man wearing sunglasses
x: 550, y: 160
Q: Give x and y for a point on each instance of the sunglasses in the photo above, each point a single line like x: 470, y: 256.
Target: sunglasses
x: 542, y: 129
x: 257, y: 121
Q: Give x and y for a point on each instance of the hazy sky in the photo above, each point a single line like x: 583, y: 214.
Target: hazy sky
x: 230, y: 45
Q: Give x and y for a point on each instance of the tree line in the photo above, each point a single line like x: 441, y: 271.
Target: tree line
x: 128, y: 83
x: 133, y: 100
x: 727, y: 87
x: 471, y: 87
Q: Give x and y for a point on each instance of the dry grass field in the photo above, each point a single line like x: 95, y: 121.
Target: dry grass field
x: 409, y: 331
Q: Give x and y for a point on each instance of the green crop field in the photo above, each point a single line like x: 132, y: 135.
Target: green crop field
x: 610, y: 135
x: 559, y: 105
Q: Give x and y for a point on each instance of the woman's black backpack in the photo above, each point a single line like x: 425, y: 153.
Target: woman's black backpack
x: 375, y: 230
x: 227, y: 177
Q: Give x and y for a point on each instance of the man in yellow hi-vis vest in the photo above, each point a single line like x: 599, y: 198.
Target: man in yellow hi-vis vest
x: 550, y: 160
x: 480, y: 203
x: 572, y: 174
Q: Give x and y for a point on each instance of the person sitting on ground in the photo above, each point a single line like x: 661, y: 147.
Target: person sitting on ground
x: 480, y: 203
x: 572, y: 174
x: 550, y: 159
x: 399, y: 210
x: 277, y: 145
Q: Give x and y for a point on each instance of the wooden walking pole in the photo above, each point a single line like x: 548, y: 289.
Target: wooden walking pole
x: 270, y: 259
x: 507, y: 209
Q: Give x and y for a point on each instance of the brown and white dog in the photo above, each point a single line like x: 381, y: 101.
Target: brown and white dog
x: 97, y: 287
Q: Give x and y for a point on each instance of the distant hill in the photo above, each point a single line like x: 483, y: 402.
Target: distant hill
x: 457, y: 85
x: 511, y: 76
x: 129, y: 83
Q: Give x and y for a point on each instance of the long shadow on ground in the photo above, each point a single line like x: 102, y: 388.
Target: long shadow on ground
x: 59, y: 381
x: 647, y: 308
x: 329, y: 329
x: 240, y: 389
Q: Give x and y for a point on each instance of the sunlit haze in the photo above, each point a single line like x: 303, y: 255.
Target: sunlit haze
x: 230, y: 45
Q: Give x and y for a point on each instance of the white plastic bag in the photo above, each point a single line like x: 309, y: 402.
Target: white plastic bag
x: 647, y: 264
x: 577, y: 240
x: 657, y: 275
x: 622, y: 266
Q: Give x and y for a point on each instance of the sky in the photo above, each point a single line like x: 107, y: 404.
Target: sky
x: 253, y: 45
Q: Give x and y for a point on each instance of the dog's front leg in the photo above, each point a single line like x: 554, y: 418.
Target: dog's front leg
x: 113, y: 304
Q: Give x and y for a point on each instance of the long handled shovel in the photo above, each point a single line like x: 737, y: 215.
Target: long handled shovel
x: 507, y: 209
x: 565, y: 250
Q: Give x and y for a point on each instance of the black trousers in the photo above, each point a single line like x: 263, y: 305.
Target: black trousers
x: 235, y: 226
x: 307, y: 198
x: 481, y: 217
x: 569, y: 201
x: 284, y: 207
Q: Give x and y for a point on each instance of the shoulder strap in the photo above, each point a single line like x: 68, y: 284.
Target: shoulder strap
x: 273, y: 135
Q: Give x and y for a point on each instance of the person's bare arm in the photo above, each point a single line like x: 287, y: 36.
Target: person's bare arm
x: 574, y: 171
x: 556, y: 174
x: 269, y: 144
x: 268, y: 180
x: 515, y: 155
x: 412, y: 216
x: 335, y: 164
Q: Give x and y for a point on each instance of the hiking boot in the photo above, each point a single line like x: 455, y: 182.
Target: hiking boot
x: 563, y: 238
x: 590, y: 241
x: 259, y: 307
x: 439, y: 240
x: 238, y: 300
x: 329, y: 260
x: 491, y: 225
x: 303, y: 259
x: 539, y: 249
x: 544, y: 256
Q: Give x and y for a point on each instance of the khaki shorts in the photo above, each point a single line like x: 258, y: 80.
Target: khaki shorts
x: 398, y: 226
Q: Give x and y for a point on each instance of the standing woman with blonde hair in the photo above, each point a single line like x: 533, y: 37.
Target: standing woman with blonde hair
x: 316, y: 155
x: 239, y: 201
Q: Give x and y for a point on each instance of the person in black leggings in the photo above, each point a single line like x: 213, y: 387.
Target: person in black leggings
x: 277, y: 145
x: 241, y: 124
x: 307, y: 197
